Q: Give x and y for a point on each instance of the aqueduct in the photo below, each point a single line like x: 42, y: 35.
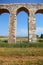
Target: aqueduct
x: 13, y: 10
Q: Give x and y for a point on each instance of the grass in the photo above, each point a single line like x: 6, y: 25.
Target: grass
x: 21, y: 56
x: 21, y: 44
x: 21, y: 53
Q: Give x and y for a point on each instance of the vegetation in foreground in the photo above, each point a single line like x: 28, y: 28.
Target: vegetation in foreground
x: 21, y: 44
x: 21, y: 53
x: 21, y: 56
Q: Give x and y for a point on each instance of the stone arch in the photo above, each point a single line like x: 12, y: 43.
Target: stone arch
x: 39, y: 11
x: 4, y: 10
x: 22, y: 9
x: 27, y: 12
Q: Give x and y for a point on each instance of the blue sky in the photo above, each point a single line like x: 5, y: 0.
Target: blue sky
x: 21, y: 1
x: 22, y: 23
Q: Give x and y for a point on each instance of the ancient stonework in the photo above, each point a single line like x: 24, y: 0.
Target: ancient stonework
x: 13, y: 10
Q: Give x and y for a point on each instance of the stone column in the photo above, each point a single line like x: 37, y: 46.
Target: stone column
x: 12, y: 28
x: 32, y: 27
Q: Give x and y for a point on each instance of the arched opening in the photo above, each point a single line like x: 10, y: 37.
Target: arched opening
x: 22, y: 24
x: 4, y: 22
x: 39, y: 24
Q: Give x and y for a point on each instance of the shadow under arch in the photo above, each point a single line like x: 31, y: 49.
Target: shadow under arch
x: 39, y: 11
x: 4, y: 11
x: 22, y: 9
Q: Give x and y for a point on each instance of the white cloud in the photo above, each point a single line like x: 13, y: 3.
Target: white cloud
x: 39, y: 29
x: 22, y: 32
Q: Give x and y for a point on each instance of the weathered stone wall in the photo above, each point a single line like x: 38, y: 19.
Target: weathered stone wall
x: 13, y: 10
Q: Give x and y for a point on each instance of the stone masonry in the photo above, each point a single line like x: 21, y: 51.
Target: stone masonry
x: 13, y: 10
